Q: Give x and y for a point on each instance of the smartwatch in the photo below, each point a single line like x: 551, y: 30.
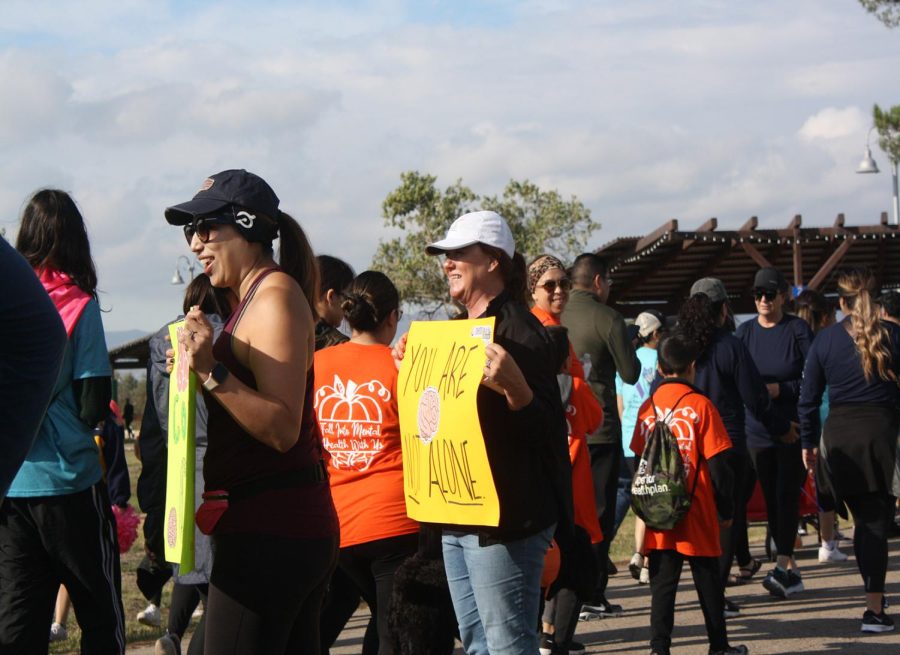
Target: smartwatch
x: 216, y: 376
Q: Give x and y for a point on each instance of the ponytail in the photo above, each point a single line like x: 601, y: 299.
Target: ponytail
x: 857, y: 287
x: 369, y: 301
x: 297, y: 259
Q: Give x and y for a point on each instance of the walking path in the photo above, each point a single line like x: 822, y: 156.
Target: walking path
x: 823, y: 619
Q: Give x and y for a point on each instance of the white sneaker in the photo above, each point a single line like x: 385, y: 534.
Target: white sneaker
x: 645, y: 576
x: 635, y: 565
x: 58, y: 632
x: 832, y: 554
x: 150, y: 616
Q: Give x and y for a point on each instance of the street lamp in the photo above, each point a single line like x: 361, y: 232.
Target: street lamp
x: 191, y: 266
x: 868, y: 165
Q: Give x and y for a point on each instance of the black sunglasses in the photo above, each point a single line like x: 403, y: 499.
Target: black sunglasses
x: 201, y: 227
x: 759, y: 294
x: 564, y: 284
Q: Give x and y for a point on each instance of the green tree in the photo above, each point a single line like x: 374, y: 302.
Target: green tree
x: 887, y: 123
x: 887, y: 11
x: 541, y: 221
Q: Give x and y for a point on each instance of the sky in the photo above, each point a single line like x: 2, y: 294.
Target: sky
x: 645, y: 110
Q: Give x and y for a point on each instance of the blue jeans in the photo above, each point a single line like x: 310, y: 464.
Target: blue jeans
x: 496, y: 591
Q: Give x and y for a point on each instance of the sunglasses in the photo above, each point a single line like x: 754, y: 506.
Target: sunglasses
x: 768, y: 295
x: 564, y: 284
x: 202, y: 226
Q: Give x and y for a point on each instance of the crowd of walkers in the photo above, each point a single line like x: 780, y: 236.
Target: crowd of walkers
x: 300, y: 503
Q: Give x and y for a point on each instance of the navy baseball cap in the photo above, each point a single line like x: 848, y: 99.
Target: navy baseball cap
x: 770, y: 279
x: 231, y: 188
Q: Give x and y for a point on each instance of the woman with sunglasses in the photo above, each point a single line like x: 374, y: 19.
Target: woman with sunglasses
x: 858, y: 360
x: 778, y: 343
x: 272, y: 519
x: 549, y: 286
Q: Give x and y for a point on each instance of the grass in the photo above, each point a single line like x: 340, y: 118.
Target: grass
x: 132, y: 599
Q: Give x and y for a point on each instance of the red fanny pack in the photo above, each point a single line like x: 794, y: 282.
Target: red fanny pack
x: 215, y: 503
x: 211, y: 510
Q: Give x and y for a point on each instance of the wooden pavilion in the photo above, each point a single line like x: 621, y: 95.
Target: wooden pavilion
x: 657, y: 270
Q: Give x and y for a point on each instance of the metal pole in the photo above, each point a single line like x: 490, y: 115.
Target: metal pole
x: 896, y: 199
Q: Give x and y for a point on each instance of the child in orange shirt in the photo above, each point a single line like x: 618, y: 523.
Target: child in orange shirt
x: 583, y: 416
x: 696, y: 424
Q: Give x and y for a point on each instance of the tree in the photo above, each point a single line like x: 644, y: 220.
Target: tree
x: 887, y: 11
x: 887, y: 123
x: 541, y: 221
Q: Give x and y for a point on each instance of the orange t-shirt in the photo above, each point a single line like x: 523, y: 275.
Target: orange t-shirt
x: 701, y: 435
x: 583, y: 416
x: 356, y: 405
x: 546, y: 318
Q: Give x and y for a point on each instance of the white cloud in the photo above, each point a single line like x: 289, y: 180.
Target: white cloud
x: 832, y: 123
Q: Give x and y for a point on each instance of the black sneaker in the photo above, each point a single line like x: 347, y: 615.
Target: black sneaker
x: 574, y: 648
x: 599, y: 609
x: 873, y: 622
x: 731, y: 609
x: 611, y: 568
x: 731, y: 650
x: 783, y: 584
x: 547, y: 645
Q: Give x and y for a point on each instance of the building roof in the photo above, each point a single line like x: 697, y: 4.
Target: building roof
x: 657, y: 270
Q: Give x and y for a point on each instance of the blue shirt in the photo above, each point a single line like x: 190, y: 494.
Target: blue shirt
x: 833, y: 360
x: 64, y: 458
x: 779, y: 353
x: 634, y: 395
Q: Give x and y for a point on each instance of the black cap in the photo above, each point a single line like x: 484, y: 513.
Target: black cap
x: 770, y: 279
x: 236, y: 188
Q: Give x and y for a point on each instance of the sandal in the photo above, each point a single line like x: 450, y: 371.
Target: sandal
x: 749, y: 570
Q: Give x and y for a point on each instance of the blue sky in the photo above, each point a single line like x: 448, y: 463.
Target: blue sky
x: 645, y: 110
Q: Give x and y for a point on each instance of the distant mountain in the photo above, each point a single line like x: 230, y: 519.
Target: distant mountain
x: 116, y: 338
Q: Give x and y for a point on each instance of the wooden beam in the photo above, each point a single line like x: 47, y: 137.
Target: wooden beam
x: 884, y: 220
x: 755, y: 255
x: 656, y: 235
x: 798, y: 250
x: 795, y: 223
x: 709, y: 225
x: 829, y: 265
x: 750, y: 225
x: 839, y: 221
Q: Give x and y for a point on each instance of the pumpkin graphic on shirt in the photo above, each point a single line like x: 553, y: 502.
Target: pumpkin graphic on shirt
x: 350, y: 418
x: 681, y: 422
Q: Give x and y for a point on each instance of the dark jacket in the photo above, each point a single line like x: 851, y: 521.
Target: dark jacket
x: 600, y: 331
x: 727, y: 376
x: 327, y: 335
x: 527, y: 449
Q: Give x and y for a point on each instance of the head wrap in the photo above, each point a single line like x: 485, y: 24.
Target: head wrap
x: 540, y: 266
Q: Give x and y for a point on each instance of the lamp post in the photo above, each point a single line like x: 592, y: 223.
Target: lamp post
x: 191, y: 266
x: 868, y: 165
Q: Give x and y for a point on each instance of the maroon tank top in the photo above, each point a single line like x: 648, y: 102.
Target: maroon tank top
x: 233, y: 457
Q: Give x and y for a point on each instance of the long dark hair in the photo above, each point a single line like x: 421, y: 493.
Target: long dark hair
x: 698, y: 320
x: 52, y: 235
x: 369, y: 300
x: 210, y: 299
x: 297, y: 259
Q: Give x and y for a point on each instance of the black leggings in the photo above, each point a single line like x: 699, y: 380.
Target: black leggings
x: 185, y: 598
x: 873, y: 514
x: 370, y: 567
x: 665, y: 572
x: 265, y: 594
x: 734, y: 539
x: 781, y: 476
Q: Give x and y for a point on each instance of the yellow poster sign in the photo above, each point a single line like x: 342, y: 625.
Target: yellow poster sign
x: 179, y: 516
x: 446, y: 474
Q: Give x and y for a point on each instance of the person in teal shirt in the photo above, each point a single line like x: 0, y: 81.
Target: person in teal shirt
x: 629, y: 398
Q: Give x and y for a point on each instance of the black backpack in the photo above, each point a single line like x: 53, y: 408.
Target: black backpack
x: 659, y: 492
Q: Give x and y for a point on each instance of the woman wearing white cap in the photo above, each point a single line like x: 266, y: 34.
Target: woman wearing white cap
x: 494, y: 572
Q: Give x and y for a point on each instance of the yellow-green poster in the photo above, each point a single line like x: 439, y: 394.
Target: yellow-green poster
x: 446, y: 474
x: 179, y: 514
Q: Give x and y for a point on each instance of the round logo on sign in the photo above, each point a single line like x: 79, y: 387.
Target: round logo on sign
x: 429, y: 414
x: 172, y: 528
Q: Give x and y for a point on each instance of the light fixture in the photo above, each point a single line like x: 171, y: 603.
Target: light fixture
x: 191, y: 267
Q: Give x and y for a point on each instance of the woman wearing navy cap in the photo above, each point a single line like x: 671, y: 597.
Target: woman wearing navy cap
x: 268, y: 504
x: 778, y: 343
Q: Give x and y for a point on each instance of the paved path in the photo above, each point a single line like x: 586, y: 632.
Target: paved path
x: 823, y: 619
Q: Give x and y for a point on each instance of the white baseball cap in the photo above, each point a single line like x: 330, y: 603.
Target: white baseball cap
x: 485, y: 227
x: 647, y: 324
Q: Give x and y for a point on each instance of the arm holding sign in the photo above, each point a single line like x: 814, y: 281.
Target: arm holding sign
x: 503, y: 375
x: 276, y: 347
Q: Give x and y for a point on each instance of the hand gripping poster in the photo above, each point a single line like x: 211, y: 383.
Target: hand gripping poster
x: 179, y: 516
x: 446, y: 474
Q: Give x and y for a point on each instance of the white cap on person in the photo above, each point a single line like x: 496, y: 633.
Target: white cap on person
x: 647, y: 324
x: 486, y: 227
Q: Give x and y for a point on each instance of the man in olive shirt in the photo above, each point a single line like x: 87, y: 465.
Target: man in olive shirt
x: 600, y: 332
